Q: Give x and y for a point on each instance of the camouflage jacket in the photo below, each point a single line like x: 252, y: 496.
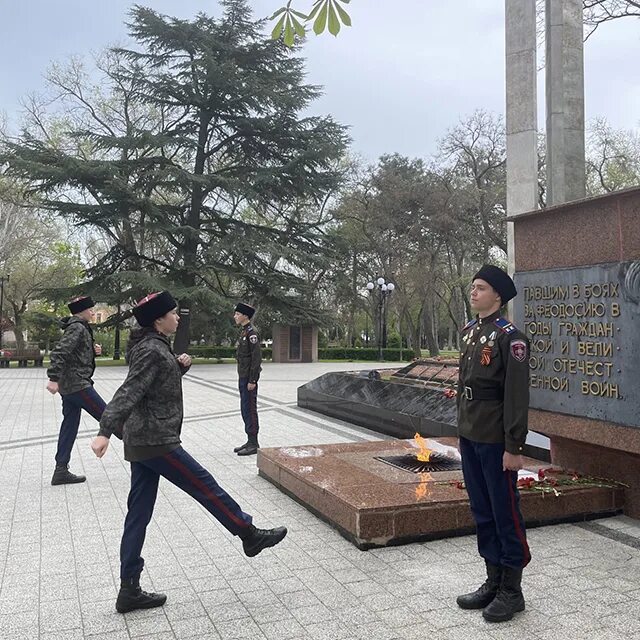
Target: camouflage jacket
x: 248, y: 354
x: 73, y: 360
x: 147, y: 409
x: 493, y: 386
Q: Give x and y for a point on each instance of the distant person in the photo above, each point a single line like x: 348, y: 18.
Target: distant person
x: 249, y: 359
x: 71, y: 375
x: 147, y: 412
x: 493, y: 404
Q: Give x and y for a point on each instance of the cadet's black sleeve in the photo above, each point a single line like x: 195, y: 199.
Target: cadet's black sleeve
x: 142, y: 372
x: 515, y: 354
x: 65, y: 347
x: 256, y: 357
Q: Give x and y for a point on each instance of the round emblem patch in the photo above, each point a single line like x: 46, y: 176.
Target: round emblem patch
x: 519, y: 350
x: 253, y: 339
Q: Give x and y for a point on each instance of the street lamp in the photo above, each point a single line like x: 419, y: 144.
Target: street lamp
x: 385, y: 289
x: 2, y: 281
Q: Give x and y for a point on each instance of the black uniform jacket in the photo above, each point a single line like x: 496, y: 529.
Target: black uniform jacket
x: 248, y: 354
x: 493, y: 386
x: 73, y: 360
x: 147, y: 409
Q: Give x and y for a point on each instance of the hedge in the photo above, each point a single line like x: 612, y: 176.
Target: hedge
x: 346, y: 353
x: 221, y: 352
x: 328, y: 353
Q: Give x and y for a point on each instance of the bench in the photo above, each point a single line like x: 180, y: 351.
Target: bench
x: 23, y: 358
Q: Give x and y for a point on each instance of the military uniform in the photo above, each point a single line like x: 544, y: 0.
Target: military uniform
x: 147, y: 412
x: 249, y: 359
x: 493, y: 404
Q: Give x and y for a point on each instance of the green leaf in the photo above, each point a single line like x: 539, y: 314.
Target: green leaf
x: 278, y: 12
x: 298, y: 27
x: 277, y: 30
x: 344, y: 16
x: 316, y: 7
x: 334, y: 23
x: 304, y: 16
x: 320, y: 23
x: 289, y: 34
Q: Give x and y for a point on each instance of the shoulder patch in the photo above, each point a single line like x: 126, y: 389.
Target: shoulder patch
x: 470, y: 324
x: 518, y: 349
x: 253, y: 338
x: 505, y: 325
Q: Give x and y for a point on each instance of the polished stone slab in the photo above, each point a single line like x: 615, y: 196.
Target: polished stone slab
x: 373, y: 504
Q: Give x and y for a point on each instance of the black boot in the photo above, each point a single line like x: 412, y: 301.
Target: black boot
x: 241, y: 447
x: 251, y: 448
x: 508, y: 600
x: 482, y: 596
x: 62, y: 475
x: 259, y: 539
x: 131, y: 597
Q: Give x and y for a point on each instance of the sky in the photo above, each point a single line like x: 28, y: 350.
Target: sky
x: 405, y: 73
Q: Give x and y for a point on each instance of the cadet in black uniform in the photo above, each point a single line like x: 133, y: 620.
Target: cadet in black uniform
x: 493, y: 403
x: 249, y: 366
x: 146, y: 411
x: 71, y: 375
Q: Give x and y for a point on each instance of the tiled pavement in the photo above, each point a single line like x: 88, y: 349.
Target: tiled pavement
x: 59, y: 545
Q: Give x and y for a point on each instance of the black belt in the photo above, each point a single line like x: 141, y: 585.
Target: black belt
x: 469, y: 393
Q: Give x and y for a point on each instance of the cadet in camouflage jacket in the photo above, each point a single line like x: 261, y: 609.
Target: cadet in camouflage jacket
x: 147, y: 410
x: 71, y: 374
x: 73, y: 360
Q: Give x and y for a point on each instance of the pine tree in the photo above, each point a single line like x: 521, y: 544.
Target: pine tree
x: 222, y: 178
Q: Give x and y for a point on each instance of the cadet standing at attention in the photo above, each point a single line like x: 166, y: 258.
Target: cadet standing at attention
x: 249, y: 359
x: 493, y: 404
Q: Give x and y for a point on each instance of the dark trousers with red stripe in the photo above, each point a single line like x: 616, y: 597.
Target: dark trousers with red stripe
x: 495, y: 504
x: 72, y: 406
x: 249, y: 408
x: 186, y: 473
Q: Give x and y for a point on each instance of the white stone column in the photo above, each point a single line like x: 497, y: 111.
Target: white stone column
x: 521, y: 113
x: 565, y: 101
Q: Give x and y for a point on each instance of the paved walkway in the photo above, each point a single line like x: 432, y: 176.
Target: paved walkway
x: 59, y: 545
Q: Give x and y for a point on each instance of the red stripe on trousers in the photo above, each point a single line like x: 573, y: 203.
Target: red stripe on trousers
x: 516, y: 522
x: 91, y: 402
x: 253, y: 409
x: 203, y: 487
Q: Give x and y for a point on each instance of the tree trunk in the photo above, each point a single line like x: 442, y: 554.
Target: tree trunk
x: 192, y: 239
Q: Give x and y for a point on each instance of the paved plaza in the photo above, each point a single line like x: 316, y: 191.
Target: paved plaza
x: 59, y: 546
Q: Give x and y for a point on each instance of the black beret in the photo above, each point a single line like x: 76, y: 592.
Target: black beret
x: 499, y: 280
x: 80, y: 304
x: 152, y: 307
x: 245, y: 309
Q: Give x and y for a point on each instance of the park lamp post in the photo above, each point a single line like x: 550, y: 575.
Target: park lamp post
x: 385, y: 289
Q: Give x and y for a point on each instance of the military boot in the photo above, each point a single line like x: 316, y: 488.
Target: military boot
x: 251, y: 448
x: 508, y: 600
x: 258, y: 539
x: 241, y: 447
x: 62, y: 475
x: 131, y: 597
x: 482, y: 596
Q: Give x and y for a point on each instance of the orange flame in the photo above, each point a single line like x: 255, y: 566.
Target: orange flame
x: 424, y: 453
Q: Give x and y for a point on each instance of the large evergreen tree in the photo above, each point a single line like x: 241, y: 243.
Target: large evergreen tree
x: 221, y: 177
